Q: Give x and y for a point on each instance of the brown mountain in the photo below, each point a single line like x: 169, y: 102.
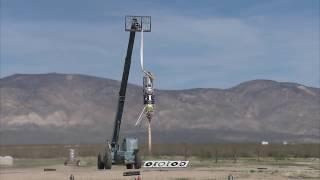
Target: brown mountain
x: 67, y: 108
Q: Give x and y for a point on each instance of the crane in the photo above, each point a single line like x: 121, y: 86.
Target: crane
x: 128, y: 152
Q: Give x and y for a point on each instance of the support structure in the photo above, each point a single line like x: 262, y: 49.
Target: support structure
x: 128, y: 154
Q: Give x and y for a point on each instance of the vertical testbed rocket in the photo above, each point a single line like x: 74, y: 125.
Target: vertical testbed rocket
x: 148, y: 91
x: 148, y: 97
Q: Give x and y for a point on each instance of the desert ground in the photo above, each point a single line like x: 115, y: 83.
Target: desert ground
x: 243, y: 168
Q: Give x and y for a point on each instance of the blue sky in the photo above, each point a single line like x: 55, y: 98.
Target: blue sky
x: 212, y: 44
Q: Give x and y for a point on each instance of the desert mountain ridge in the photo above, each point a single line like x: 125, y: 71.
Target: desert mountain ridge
x: 74, y: 108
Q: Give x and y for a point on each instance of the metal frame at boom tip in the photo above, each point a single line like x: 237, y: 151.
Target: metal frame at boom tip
x: 143, y: 21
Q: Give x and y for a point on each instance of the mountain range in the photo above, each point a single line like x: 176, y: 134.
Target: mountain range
x: 72, y: 108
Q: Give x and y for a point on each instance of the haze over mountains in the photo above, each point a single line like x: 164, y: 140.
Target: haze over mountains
x: 66, y: 108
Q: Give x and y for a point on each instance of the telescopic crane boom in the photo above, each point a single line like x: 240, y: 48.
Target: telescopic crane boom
x: 128, y: 152
x: 123, y: 88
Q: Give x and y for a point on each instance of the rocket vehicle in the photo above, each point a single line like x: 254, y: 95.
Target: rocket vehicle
x: 148, y: 91
x: 148, y: 97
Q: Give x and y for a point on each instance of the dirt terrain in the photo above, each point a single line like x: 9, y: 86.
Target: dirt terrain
x: 198, y: 169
